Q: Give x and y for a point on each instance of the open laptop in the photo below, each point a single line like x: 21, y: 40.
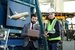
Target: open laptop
x: 34, y: 33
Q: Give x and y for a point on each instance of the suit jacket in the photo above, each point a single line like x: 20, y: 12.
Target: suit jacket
x: 25, y: 30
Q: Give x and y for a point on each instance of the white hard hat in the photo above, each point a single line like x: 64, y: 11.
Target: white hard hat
x: 51, y: 10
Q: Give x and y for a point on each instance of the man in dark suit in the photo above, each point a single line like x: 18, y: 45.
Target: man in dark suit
x: 31, y: 43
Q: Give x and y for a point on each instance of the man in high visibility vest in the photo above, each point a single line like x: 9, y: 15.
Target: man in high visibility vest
x: 53, y: 31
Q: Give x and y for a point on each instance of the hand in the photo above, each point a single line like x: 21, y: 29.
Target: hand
x: 46, y: 34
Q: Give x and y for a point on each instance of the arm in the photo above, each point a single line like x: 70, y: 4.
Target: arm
x: 57, y: 28
x: 24, y: 31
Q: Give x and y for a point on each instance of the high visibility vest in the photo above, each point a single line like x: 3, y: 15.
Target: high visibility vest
x: 50, y: 28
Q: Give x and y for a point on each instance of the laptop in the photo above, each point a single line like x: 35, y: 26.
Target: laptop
x: 33, y: 33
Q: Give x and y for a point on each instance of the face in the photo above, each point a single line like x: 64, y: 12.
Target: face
x: 34, y: 19
x: 51, y: 15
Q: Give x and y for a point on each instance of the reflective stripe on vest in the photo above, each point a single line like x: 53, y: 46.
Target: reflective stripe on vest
x: 57, y: 38
x: 50, y: 28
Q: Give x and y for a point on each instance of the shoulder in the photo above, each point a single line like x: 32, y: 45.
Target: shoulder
x: 57, y: 22
x: 28, y: 24
x: 37, y: 23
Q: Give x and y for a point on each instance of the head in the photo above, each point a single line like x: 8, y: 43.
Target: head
x: 33, y: 18
x: 51, y: 15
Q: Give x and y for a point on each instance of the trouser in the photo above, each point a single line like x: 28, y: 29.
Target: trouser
x: 30, y: 46
x: 52, y: 46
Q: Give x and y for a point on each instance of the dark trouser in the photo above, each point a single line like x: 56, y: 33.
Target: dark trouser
x: 52, y: 46
x: 30, y: 46
x: 49, y: 46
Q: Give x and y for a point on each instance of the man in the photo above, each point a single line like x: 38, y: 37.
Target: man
x: 31, y: 43
x: 53, y: 31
